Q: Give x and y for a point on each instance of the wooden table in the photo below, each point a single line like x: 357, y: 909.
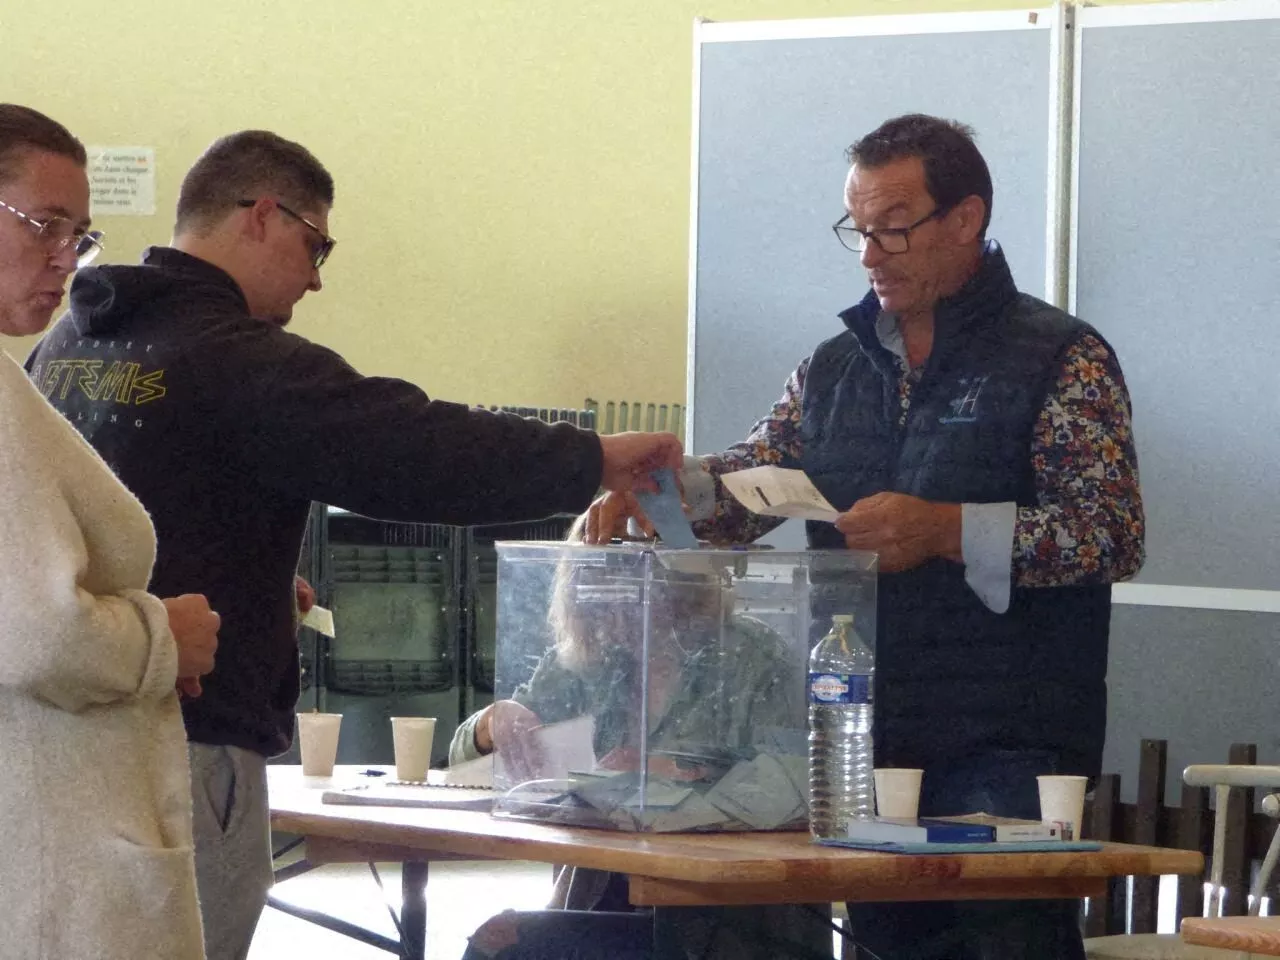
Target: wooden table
x: 1260, y: 935
x: 673, y: 870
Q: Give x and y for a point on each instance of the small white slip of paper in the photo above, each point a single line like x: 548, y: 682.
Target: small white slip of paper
x: 319, y: 619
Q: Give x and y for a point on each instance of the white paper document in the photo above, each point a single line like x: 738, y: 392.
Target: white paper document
x: 470, y: 773
x: 122, y: 181
x: 394, y: 793
x: 319, y: 619
x: 566, y: 746
x: 778, y: 492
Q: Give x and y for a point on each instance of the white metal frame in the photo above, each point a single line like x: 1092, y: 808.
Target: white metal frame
x: 1136, y: 15
x: 1196, y: 598
x: 1073, y: 136
x: 699, y: 25
x: 889, y: 25
x: 1061, y: 184
x: 1207, y: 11
x: 1131, y: 15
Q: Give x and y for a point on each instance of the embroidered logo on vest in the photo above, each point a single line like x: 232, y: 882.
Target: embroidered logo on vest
x: 964, y: 408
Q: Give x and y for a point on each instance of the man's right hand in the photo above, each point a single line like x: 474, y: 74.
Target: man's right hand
x: 304, y: 595
x: 629, y: 458
x: 195, y: 632
x: 506, y: 726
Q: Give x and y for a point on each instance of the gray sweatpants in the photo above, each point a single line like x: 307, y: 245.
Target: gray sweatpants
x: 233, y: 845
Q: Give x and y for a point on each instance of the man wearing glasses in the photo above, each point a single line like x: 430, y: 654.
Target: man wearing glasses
x: 980, y: 441
x: 226, y: 427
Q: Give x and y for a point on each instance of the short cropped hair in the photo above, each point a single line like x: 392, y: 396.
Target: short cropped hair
x: 953, y: 166
x: 244, y: 166
x: 22, y: 129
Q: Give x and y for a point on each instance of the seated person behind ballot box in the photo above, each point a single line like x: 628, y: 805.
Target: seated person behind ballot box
x: 716, y: 683
x: 721, y: 695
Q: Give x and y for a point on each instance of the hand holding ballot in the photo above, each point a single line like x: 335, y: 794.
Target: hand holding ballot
x: 631, y: 458
x: 607, y: 517
x: 660, y: 512
x: 768, y: 490
x: 905, y: 531
x: 507, y: 726
x: 772, y: 491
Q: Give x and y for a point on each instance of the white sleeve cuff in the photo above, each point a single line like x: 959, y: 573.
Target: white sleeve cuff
x: 699, y: 490
x: 986, y: 543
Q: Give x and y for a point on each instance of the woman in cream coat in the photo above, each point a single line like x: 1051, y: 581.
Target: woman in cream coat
x: 95, y: 805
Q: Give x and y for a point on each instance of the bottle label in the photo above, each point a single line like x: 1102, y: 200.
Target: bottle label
x: 839, y: 688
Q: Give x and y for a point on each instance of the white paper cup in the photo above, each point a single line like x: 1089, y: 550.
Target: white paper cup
x: 412, y: 737
x: 1062, y: 801
x: 898, y: 792
x: 318, y: 742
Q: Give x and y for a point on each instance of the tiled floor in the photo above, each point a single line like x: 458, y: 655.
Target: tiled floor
x: 460, y: 896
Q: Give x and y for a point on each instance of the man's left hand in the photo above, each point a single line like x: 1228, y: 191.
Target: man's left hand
x: 304, y: 593
x: 189, y: 687
x: 904, y: 530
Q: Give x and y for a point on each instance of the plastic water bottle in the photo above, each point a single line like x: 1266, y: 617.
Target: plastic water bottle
x: 841, y: 775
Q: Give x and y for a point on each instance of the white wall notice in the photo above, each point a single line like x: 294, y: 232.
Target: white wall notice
x: 122, y: 181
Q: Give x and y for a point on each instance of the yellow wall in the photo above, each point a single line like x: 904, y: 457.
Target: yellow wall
x: 512, y: 175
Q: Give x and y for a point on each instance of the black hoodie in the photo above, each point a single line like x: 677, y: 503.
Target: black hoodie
x: 227, y: 427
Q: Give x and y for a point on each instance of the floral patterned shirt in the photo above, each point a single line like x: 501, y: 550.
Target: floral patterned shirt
x: 1087, y: 524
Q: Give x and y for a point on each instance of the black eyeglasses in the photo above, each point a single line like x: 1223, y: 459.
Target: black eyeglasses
x: 58, y: 233
x: 320, y: 252
x: 889, y: 239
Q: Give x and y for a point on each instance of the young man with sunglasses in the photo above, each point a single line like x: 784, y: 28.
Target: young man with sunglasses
x: 980, y: 441
x: 226, y: 427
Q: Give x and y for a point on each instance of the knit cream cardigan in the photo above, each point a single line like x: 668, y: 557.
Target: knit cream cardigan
x: 95, y: 804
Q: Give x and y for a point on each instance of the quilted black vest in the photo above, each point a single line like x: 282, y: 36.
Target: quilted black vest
x: 954, y: 679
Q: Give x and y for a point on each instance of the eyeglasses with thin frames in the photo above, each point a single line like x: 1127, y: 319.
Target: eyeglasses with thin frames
x: 319, y: 253
x: 58, y: 233
x: 891, y: 240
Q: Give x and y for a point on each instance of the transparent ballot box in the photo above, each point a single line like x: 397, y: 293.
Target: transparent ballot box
x: 650, y: 689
